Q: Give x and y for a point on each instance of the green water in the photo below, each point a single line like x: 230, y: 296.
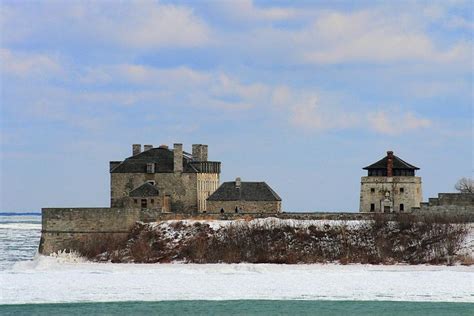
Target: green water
x: 243, y: 307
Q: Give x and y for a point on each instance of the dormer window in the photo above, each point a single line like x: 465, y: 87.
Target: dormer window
x: 150, y: 167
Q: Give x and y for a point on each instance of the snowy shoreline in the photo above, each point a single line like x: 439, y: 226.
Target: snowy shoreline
x: 58, y: 280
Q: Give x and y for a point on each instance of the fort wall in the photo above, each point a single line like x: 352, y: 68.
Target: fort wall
x: 450, y: 202
x: 63, y: 228
x: 67, y: 228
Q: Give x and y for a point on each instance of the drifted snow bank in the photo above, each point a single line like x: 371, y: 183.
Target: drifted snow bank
x: 51, y: 280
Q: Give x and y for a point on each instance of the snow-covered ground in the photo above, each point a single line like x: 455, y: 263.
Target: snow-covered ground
x: 60, y: 279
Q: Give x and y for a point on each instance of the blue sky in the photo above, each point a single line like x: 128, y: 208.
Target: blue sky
x: 300, y: 94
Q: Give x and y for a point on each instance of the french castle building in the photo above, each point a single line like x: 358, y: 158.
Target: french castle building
x: 390, y: 186
x: 168, y: 180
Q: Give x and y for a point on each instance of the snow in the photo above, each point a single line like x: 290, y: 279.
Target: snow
x: 268, y: 221
x: 71, y: 279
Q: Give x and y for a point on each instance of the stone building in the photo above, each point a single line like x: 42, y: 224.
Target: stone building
x: 171, y: 180
x: 244, y: 197
x: 390, y: 186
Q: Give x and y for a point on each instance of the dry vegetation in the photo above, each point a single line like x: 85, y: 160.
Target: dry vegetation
x: 432, y: 240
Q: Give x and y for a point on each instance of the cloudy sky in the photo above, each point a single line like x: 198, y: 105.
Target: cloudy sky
x: 301, y: 94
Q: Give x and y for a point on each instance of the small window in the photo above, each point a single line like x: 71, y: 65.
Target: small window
x: 402, y: 190
x: 152, y: 201
x: 372, y: 207
x: 222, y: 211
x: 150, y: 167
x: 144, y: 203
x: 236, y: 209
x: 135, y: 201
x: 372, y: 190
x: 152, y: 182
x: 402, y: 207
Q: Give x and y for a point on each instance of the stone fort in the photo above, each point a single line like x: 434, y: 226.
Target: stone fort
x: 159, y: 183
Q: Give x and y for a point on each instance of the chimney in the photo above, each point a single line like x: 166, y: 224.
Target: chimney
x: 200, y: 152
x: 197, y: 152
x: 136, y: 149
x: 389, y: 163
x: 147, y: 147
x: 163, y: 146
x: 238, y: 182
x: 178, y: 157
x: 204, y: 153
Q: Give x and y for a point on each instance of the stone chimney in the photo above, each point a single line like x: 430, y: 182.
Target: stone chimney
x: 136, y: 149
x: 178, y: 157
x: 204, y: 153
x: 147, y: 147
x: 389, y: 163
x: 196, y: 152
x: 238, y: 182
x: 200, y: 152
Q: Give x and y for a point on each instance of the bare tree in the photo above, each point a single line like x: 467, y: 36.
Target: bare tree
x: 465, y: 185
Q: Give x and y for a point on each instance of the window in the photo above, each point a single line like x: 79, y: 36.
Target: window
x: 372, y: 207
x: 144, y: 203
x: 222, y: 211
x: 135, y: 201
x: 152, y: 201
x: 402, y: 190
x: 402, y: 207
x: 150, y: 167
x: 372, y: 190
x: 152, y: 182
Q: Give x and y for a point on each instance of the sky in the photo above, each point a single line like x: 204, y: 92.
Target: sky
x: 300, y: 94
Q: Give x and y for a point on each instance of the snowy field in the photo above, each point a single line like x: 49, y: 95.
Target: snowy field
x: 49, y: 279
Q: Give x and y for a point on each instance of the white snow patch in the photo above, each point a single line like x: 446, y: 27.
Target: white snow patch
x: 53, y: 279
x: 259, y: 222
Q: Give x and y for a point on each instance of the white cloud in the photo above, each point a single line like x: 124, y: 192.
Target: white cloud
x: 374, y: 37
x: 28, y: 64
x: 149, y: 24
x: 140, y: 25
x: 392, y: 123
x: 246, y: 10
x: 310, y: 114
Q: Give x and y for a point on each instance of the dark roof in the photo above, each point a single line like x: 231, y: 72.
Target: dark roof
x: 249, y: 191
x: 397, y: 164
x: 145, y: 190
x: 162, y: 158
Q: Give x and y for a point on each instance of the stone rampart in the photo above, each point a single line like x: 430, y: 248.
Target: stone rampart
x: 62, y: 228
x: 67, y: 228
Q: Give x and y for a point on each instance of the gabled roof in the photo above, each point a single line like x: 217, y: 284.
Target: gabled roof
x: 145, y: 190
x: 163, y: 158
x: 248, y: 191
x: 397, y: 164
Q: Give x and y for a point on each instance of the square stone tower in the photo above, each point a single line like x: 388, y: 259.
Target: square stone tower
x: 390, y: 186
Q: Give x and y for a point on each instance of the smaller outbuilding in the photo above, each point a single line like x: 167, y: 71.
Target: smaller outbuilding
x: 147, y: 196
x: 244, y: 197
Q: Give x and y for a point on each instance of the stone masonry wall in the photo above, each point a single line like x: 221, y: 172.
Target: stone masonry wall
x: 63, y: 227
x: 244, y: 206
x: 450, y: 202
x: 182, y: 188
x: 410, y: 197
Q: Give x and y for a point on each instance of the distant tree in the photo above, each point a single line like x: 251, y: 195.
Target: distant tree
x: 465, y: 185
